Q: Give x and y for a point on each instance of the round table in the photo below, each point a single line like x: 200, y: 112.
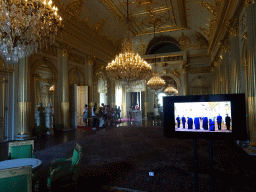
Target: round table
x: 20, y: 162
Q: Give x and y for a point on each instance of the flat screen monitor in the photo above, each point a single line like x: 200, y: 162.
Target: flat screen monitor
x: 220, y: 116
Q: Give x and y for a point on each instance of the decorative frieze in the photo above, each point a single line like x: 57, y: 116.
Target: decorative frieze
x: 51, y: 50
x: 76, y: 58
x: 200, y: 70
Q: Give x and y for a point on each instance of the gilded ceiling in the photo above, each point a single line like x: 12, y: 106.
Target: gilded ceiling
x: 178, y: 18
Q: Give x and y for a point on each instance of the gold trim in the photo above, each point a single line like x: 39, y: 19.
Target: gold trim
x: 113, y: 8
x: 182, y: 13
x: 221, y: 20
x: 248, y: 2
x: 161, y: 31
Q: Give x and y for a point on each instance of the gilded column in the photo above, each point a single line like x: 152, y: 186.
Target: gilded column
x: 233, y: 26
x: 90, y: 61
x: 224, y: 46
x: 251, y: 76
x: 124, y: 107
x: 213, y: 84
x: 63, y: 85
x: 146, y: 100
x: 185, y: 68
x: 23, y: 97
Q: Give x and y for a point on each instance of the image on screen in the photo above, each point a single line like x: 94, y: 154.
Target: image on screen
x: 203, y: 116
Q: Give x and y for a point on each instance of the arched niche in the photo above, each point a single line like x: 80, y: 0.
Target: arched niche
x: 101, y: 86
x: 43, y: 84
x: 199, y: 86
x: 163, y: 44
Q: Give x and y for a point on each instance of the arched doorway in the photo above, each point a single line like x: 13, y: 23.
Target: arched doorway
x: 43, y: 87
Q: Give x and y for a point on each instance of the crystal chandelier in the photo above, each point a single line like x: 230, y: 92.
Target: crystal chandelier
x: 26, y: 26
x: 170, y: 90
x: 156, y: 83
x: 128, y: 67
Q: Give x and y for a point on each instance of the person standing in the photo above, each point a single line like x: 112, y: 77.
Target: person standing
x: 85, y: 114
x: 94, y: 116
x: 183, y: 121
x: 205, y: 123
x: 190, y: 123
x: 197, y: 123
x: 219, y: 121
x: 178, y: 121
x: 211, y: 124
x: 227, y: 120
x: 118, y: 113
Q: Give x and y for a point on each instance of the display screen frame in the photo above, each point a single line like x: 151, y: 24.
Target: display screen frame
x: 238, y: 116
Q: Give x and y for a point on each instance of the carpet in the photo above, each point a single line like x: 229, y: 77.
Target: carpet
x: 124, y: 156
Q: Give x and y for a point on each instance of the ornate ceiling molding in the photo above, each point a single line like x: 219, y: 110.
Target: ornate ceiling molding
x: 219, y: 27
x: 233, y: 27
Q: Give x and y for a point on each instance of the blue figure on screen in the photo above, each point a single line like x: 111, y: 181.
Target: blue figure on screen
x: 178, y: 121
x: 190, y: 123
x: 211, y: 123
x: 227, y: 120
x: 183, y: 121
x: 197, y: 124
x: 205, y: 123
x: 219, y: 120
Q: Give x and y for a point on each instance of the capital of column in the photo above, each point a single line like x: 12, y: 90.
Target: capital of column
x: 90, y: 59
x: 224, y: 45
x: 185, y: 67
x: 233, y: 26
x: 249, y: 2
x: 64, y: 49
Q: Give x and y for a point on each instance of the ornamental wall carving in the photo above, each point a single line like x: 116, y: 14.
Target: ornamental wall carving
x: 51, y: 50
x: 76, y: 58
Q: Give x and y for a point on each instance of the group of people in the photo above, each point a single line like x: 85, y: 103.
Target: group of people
x: 207, y: 122
x: 102, y: 116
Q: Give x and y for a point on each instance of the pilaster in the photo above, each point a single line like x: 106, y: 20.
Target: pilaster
x: 63, y: 91
x: 234, y: 63
x: 250, y: 68
x: 90, y: 61
x: 185, y: 68
x: 23, y: 98
x: 225, y: 47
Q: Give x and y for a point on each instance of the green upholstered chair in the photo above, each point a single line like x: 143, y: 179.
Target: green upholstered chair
x: 65, y: 170
x: 21, y: 149
x: 18, y: 179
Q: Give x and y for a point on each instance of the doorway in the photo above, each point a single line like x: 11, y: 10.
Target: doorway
x: 133, y: 99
